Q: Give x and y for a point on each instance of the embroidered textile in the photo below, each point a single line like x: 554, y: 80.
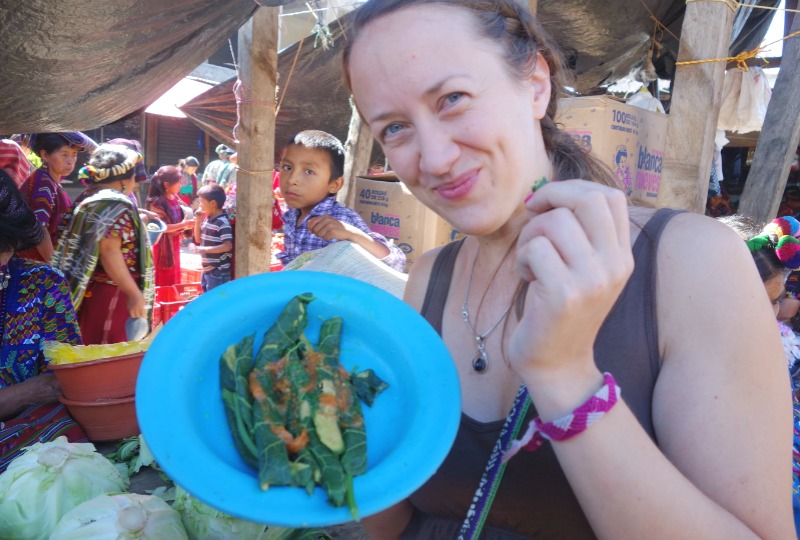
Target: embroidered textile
x: 38, y: 308
x: 96, y: 218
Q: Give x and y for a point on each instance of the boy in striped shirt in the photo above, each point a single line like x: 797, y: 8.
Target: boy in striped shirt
x: 213, y: 238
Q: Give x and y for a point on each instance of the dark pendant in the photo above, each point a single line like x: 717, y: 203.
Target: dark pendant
x: 479, y: 363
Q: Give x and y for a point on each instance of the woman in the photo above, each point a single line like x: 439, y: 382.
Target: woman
x: 34, y: 307
x: 543, y: 297
x: 163, y: 200
x: 42, y: 190
x: 776, y: 252
x: 105, y: 254
x: 188, y: 168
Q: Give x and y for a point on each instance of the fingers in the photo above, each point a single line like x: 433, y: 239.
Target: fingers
x: 599, y: 208
x: 576, y: 226
x: 325, y: 227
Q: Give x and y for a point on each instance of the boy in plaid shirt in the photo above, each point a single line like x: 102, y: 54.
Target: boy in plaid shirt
x: 213, y: 237
x: 311, y: 173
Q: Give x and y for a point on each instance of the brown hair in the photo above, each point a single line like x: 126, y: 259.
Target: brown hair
x: 521, y: 37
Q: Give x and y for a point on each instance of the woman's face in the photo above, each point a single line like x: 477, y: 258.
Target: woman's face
x: 61, y: 162
x: 172, y: 189
x: 457, y: 129
x: 776, y: 291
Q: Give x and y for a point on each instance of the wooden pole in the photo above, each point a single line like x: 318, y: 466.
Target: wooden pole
x: 258, y: 68
x: 357, y: 152
x: 533, y: 6
x: 696, y: 100
x: 778, y: 140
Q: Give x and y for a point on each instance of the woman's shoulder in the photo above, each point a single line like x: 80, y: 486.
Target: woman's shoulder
x: 39, y: 270
x: 419, y: 275
x: 685, y: 231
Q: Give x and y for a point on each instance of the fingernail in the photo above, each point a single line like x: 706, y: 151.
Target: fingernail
x: 538, y: 184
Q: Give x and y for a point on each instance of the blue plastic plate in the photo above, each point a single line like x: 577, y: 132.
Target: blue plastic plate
x: 410, y: 428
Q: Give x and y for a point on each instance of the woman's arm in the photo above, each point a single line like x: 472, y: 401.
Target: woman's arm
x: 721, y: 406
x: 45, y: 247
x: 38, y: 389
x: 114, y: 263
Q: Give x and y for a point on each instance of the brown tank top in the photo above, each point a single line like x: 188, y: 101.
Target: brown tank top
x: 535, y: 499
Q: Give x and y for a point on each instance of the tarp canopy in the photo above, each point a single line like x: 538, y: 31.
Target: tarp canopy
x: 605, y: 40
x: 81, y: 64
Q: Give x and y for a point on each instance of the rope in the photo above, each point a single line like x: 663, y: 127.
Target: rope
x: 734, y: 5
x: 740, y: 58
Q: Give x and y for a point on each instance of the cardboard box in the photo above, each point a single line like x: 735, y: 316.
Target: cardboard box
x: 390, y: 209
x: 630, y: 140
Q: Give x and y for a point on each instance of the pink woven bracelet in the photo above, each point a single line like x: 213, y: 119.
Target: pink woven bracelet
x: 566, y: 427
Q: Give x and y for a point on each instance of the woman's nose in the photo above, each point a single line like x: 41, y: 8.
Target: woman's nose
x: 437, y: 151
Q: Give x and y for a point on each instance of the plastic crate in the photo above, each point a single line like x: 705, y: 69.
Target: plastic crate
x: 156, y: 314
x: 187, y: 291
x: 171, y: 300
x: 190, y: 275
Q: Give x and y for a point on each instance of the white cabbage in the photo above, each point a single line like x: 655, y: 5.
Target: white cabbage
x: 47, y: 481
x: 203, y: 522
x: 121, y: 516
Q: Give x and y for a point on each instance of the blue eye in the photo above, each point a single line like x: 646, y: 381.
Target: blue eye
x: 454, y: 97
x: 392, y: 129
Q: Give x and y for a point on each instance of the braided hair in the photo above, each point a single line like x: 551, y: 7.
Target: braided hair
x: 522, y: 37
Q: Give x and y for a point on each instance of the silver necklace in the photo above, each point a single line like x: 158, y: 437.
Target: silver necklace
x: 481, y: 361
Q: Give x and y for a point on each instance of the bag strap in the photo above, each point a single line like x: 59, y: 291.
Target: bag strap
x: 495, y: 468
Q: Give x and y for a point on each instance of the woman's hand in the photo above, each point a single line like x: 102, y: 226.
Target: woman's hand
x: 137, y: 307
x: 147, y: 215
x: 576, y: 253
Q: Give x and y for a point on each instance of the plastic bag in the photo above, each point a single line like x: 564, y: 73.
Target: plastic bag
x: 745, y: 98
x: 645, y: 100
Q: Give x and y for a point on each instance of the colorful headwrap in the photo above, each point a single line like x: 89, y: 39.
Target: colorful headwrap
x: 92, y: 174
x: 781, y: 234
x: 139, y: 174
x: 81, y: 141
x: 13, y: 161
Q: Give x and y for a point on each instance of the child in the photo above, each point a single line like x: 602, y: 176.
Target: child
x: 212, y: 237
x: 311, y: 173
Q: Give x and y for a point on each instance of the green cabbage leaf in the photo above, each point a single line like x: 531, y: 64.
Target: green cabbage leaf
x: 121, y: 516
x: 47, y: 481
x: 203, y: 522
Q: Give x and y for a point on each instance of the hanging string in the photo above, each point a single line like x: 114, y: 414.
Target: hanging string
x: 659, y: 26
x: 291, y: 70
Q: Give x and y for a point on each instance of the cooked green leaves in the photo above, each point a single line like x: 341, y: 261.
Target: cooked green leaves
x: 294, y: 411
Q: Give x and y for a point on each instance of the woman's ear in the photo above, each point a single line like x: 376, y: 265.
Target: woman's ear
x: 335, y: 185
x: 540, y: 87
